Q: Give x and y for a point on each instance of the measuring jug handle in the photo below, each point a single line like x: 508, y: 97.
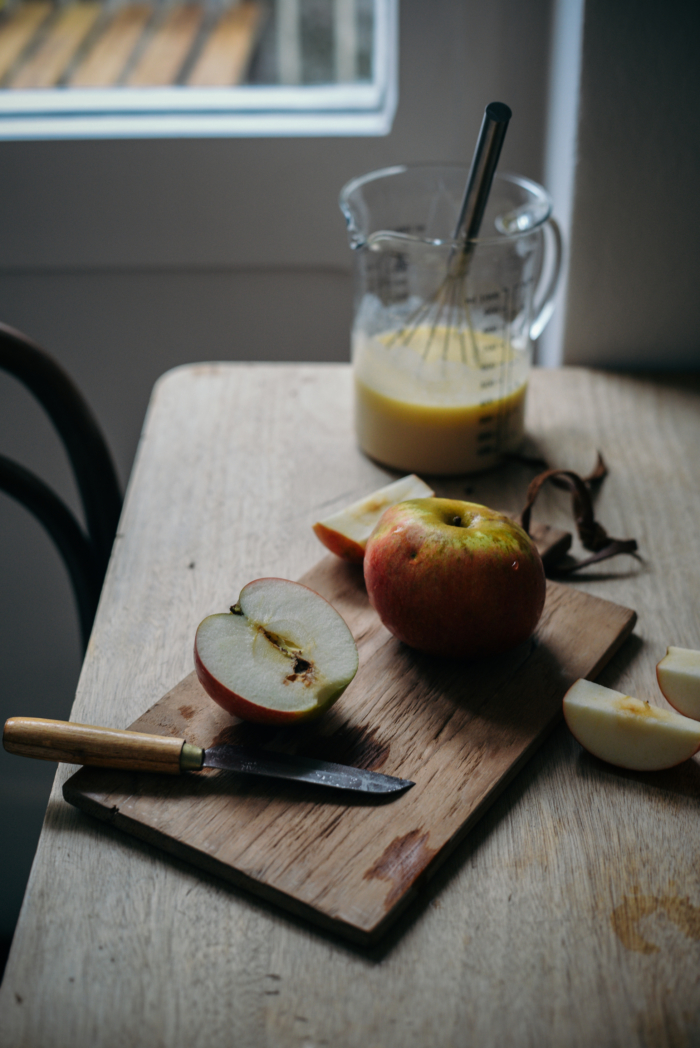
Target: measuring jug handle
x: 544, y: 310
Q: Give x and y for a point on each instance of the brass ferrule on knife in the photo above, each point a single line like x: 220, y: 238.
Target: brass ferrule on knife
x: 191, y: 757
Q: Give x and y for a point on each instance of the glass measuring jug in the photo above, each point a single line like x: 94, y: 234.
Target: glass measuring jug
x: 442, y: 332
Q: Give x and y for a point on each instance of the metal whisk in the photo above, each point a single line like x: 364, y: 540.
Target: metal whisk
x: 448, y: 307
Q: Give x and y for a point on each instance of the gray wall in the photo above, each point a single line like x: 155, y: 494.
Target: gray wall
x: 634, y: 294
x: 128, y: 258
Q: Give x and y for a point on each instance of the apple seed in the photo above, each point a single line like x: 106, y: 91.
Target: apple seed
x: 302, y: 669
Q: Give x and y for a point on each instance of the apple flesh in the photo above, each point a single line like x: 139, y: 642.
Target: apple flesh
x: 628, y: 732
x: 678, y: 675
x: 345, y: 533
x: 282, y: 654
x: 454, y: 578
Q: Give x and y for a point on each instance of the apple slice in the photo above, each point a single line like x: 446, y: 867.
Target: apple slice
x: 627, y: 731
x: 281, y: 654
x: 678, y: 675
x: 345, y: 533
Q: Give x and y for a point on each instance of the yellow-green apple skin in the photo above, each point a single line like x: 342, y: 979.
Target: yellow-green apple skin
x: 454, y: 578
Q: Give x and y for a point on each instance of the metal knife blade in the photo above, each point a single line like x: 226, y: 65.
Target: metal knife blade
x: 301, y: 769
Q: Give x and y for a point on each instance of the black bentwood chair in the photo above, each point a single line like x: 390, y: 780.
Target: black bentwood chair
x: 85, y: 555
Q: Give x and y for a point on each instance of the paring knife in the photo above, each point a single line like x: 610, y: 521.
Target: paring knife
x: 53, y: 740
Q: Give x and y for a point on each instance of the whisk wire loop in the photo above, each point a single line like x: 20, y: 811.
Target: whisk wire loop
x: 447, y: 308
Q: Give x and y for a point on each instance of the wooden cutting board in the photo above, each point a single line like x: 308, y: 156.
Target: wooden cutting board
x: 460, y: 731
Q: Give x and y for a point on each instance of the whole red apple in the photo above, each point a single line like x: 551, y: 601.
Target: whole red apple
x: 454, y: 578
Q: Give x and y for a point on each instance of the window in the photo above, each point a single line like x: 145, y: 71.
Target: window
x: 133, y: 68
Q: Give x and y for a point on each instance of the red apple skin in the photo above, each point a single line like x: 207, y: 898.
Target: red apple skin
x: 341, y: 545
x: 464, y: 591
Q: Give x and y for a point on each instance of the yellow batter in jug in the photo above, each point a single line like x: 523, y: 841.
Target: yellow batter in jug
x: 438, y: 404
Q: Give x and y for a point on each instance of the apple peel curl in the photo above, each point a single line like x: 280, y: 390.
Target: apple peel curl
x: 592, y: 534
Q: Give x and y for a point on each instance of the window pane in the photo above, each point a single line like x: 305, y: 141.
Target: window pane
x: 209, y: 56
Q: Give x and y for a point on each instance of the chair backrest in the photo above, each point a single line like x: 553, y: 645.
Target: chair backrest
x: 85, y: 555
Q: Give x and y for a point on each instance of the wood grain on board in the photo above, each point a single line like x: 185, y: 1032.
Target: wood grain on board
x: 459, y: 731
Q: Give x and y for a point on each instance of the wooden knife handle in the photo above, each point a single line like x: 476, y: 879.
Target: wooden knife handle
x: 53, y: 740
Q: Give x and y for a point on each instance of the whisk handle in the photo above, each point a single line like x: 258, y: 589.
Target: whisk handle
x: 488, y: 150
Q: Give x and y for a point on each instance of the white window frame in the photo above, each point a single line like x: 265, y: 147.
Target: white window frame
x: 248, y: 111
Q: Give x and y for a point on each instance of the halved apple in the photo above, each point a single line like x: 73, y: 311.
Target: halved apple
x: 678, y: 675
x: 626, y: 731
x: 345, y: 533
x: 281, y: 654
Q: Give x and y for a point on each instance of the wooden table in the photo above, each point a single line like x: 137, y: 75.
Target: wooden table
x: 569, y: 916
